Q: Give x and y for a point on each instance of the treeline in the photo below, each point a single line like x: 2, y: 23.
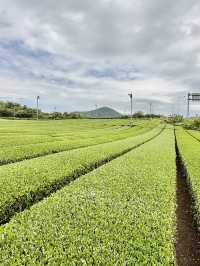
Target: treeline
x: 16, y: 110
x: 193, y: 123
x: 188, y: 123
x: 11, y: 109
x: 174, y: 119
x: 140, y: 114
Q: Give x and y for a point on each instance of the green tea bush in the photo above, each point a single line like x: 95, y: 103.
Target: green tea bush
x: 123, y: 213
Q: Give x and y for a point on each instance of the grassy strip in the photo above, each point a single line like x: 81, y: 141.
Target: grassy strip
x: 21, y: 152
x: 120, y: 214
x: 25, y: 183
x: 189, y: 152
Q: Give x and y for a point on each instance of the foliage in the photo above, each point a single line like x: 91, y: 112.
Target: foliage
x: 21, y: 183
x: 10, y: 109
x: 192, y: 123
x: 174, y: 119
x: 16, y: 110
x: 189, y: 150
x: 194, y: 133
x: 120, y: 214
x: 196, y: 123
x: 29, y: 139
x: 140, y: 114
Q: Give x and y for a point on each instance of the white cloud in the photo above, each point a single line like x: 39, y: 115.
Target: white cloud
x: 88, y: 52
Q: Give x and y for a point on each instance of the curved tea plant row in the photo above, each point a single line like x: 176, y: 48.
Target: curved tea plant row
x: 33, y: 135
x: 194, y: 133
x: 13, y: 140
x: 189, y: 149
x: 21, y: 152
x: 123, y: 213
x: 24, y: 183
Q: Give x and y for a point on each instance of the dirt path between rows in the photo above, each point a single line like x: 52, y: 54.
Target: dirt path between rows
x: 187, y: 238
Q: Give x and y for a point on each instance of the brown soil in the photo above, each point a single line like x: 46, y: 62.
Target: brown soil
x: 187, y: 237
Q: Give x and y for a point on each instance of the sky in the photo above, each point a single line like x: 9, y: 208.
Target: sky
x: 78, y: 54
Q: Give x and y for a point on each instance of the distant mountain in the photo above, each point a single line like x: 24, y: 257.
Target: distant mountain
x: 103, y: 112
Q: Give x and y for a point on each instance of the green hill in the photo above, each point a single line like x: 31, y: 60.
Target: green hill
x: 103, y: 112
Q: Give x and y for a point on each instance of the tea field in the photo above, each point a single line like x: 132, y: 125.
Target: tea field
x: 96, y: 192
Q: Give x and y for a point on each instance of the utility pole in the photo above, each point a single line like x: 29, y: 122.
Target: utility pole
x: 14, y: 112
x: 150, y: 108
x: 131, y: 99
x: 37, y: 99
x: 54, y: 112
x: 188, y: 105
